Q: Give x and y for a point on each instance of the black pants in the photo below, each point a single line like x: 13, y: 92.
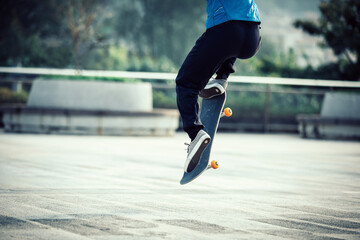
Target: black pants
x: 214, y: 52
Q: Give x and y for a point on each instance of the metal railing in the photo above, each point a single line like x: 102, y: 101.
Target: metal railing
x: 172, y: 76
x: 238, y: 83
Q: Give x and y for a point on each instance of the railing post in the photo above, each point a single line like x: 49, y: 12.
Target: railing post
x: 16, y: 86
x: 267, y: 109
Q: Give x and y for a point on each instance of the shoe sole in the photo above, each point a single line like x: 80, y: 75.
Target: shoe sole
x: 211, y: 92
x: 195, y: 159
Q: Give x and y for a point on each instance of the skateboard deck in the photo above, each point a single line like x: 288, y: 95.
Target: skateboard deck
x: 210, y: 114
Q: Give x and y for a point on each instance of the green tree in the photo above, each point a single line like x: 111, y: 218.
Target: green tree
x: 339, y: 25
x: 159, y: 28
x: 24, y: 25
x: 79, y: 21
x: 49, y: 33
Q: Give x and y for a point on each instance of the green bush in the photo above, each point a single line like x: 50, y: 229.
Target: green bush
x: 7, y: 96
x: 119, y: 58
x: 287, y: 106
x: 246, y: 105
x: 250, y: 105
x: 164, y: 99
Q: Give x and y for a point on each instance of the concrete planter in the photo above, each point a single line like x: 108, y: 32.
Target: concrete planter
x: 91, y: 108
x: 339, y: 118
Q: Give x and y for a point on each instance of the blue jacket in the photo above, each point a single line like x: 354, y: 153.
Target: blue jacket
x: 220, y: 11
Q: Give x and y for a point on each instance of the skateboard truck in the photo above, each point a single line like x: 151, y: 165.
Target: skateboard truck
x: 214, y: 165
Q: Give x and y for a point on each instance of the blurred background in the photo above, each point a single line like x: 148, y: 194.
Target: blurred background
x: 309, y: 39
x: 89, y: 68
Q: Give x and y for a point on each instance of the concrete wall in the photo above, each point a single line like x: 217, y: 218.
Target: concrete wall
x: 83, y: 107
x: 46, y: 121
x: 339, y: 118
x: 89, y: 95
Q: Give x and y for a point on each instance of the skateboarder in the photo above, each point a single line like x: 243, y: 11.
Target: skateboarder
x: 232, y: 31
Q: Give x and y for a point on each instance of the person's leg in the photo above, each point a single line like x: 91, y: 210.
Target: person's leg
x: 206, y: 57
x: 213, y: 48
x: 188, y: 105
x: 226, y: 69
x: 218, y: 85
x: 247, y: 42
x: 252, y: 42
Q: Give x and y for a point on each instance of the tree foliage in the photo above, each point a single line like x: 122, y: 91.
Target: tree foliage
x: 47, y: 32
x: 156, y: 35
x: 23, y: 25
x: 160, y: 28
x: 339, y: 25
x: 65, y: 33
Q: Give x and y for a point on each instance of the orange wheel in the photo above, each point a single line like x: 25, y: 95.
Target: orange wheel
x: 228, y: 112
x: 214, y: 164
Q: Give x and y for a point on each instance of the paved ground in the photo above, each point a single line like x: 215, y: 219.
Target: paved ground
x: 267, y: 187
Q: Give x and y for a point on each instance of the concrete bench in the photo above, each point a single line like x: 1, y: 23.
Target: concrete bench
x: 84, y: 107
x: 339, y: 118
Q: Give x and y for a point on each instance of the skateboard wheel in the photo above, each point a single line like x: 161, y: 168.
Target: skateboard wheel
x: 228, y: 112
x: 214, y: 164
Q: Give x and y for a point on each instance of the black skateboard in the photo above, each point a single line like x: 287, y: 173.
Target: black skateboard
x: 211, y: 112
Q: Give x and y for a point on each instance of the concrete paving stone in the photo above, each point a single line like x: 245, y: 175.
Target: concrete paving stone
x: 40, y: 234
x: 91, y: 226
x: 17, y: 210
x: 91, y: 187
x: 203, y: 227
x: 300, y: 225
x: 326, y: 211
x: 14, y: 223
x: 330, y: 221
x: 298, y: 235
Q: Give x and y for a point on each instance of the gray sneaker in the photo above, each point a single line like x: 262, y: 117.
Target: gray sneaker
x: 214, y: 88
x: 195, y: 149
